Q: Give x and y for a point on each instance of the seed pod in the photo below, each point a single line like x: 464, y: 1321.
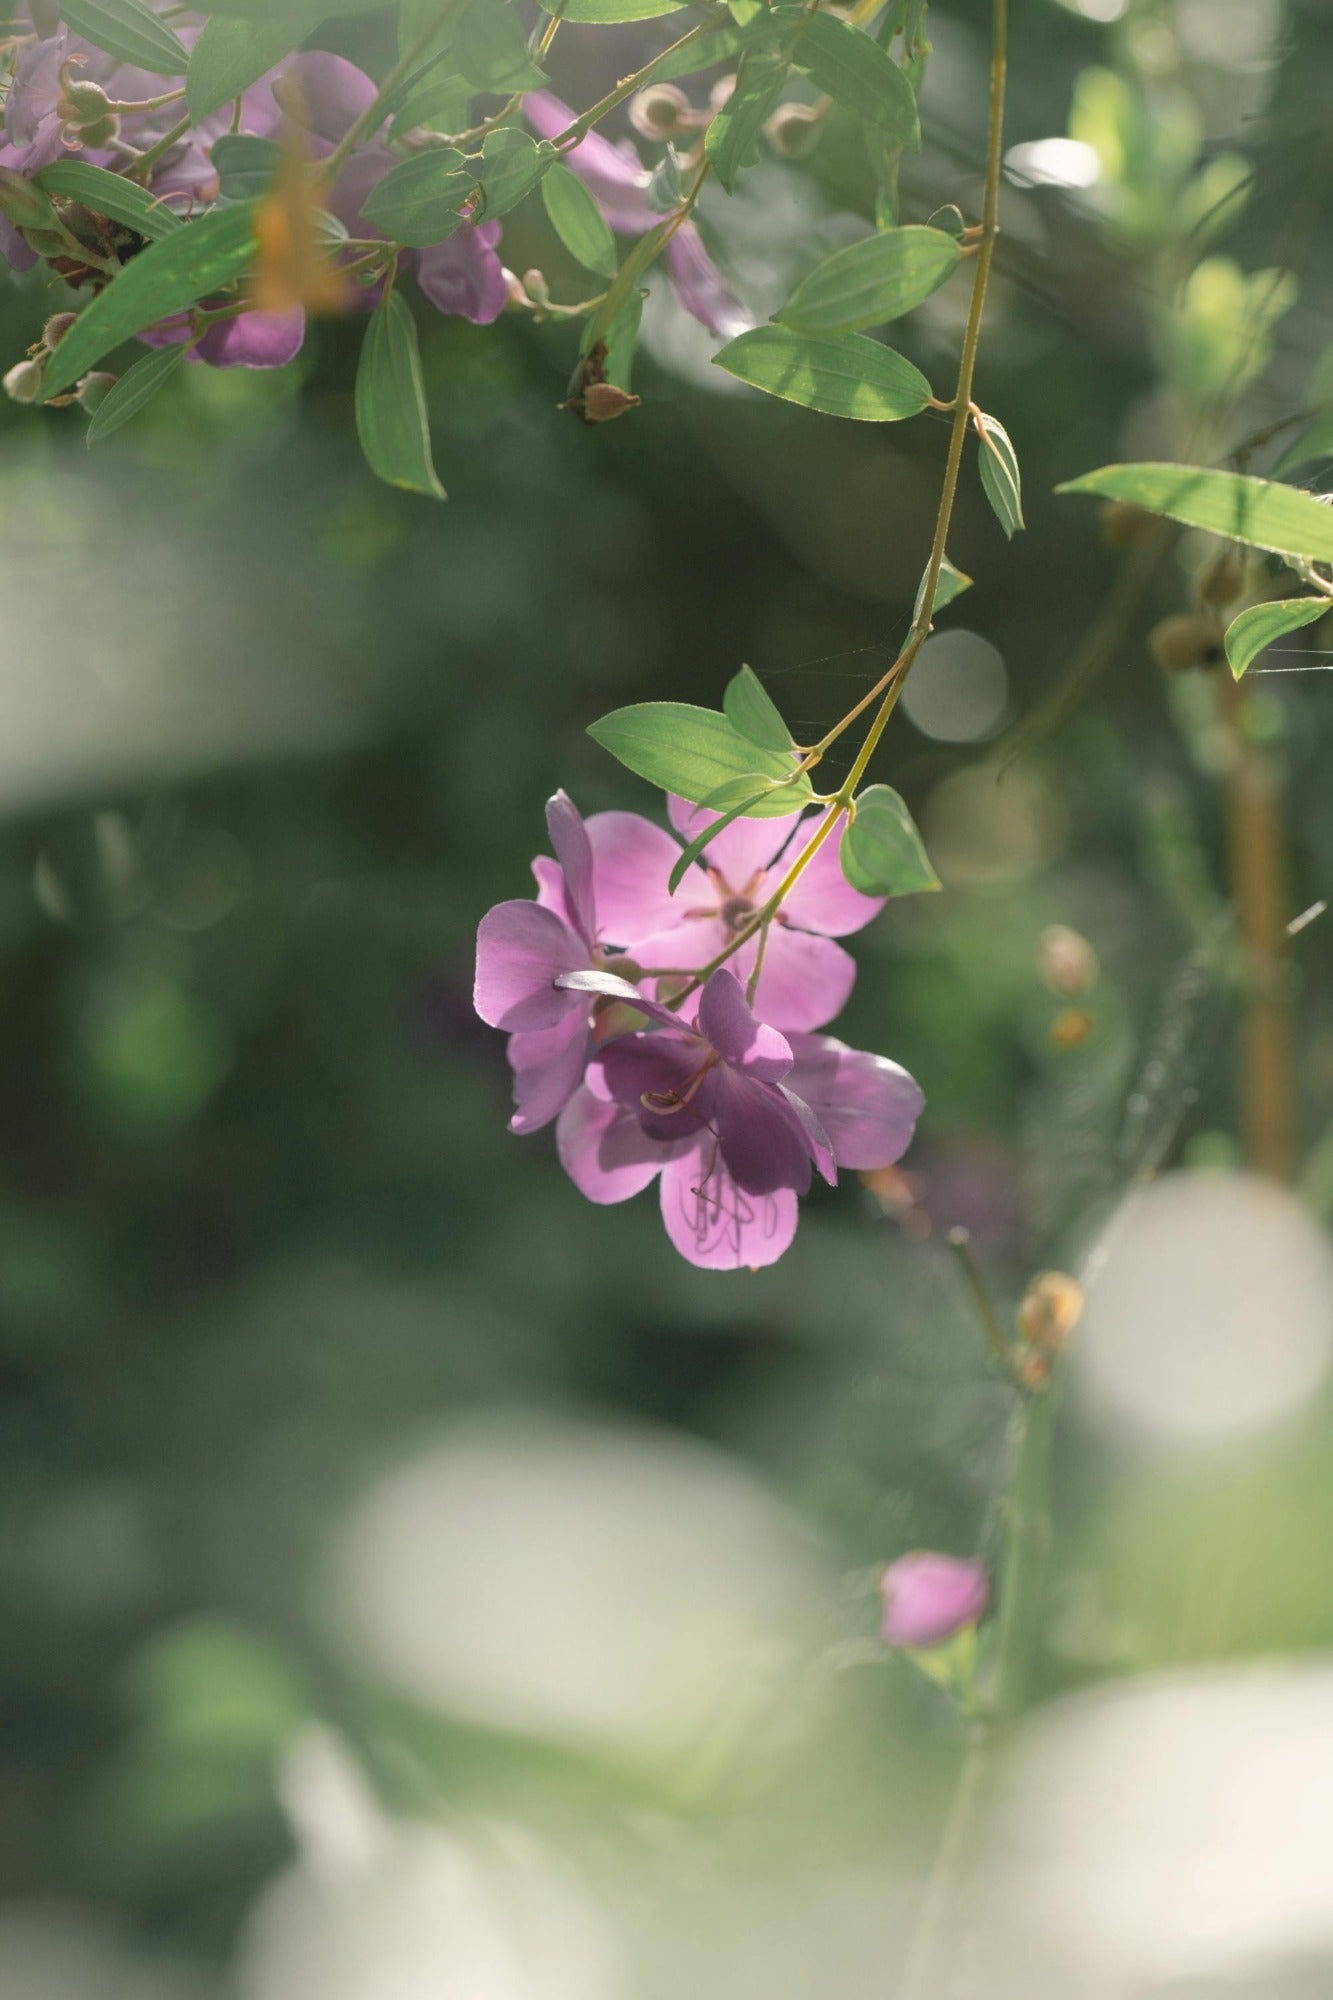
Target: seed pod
x: 1221, y: 581
x: 659, y: 111
x: 23, y: 382
x: 1067, y: 961
x: 1124, y: 525
x: 85, y: 103
x: 1050, y: 1309
x: 1187, y: 639
x: 93, y: 389
x: 56, y: 328
x: 603, y: 400
x: 794, y: 130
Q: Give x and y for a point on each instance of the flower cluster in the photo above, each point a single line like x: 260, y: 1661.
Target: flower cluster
x: 68, y: 99
x: 659, y: 1064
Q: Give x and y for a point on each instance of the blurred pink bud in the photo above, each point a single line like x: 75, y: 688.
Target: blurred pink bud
x: 928, y: 1597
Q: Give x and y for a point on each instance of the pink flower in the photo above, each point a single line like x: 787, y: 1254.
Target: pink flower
x: 929, y: 1597
x: 617, y: 177
x: 806, y: 978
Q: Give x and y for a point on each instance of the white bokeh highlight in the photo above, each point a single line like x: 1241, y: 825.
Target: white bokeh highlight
x: 959, y: 689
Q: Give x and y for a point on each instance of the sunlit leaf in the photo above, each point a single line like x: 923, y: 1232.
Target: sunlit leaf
x: 998, y: 464
x: 230, y: 55
x: 882, y: 853
x: 870, y: 282
x: 1253, y: 630
x: 512, y: 165
x: 732, y: 139
x: 748, y: 792
x: 391, y: 401
x: 952, y: 583
x: 611, y: 10
x: 1255, y: 511
x: 692, y: 751
x: 579, y: 222
x: 419, y: 201
x: 842, y: 374
x: 860, y: 75
x: 750, y: 707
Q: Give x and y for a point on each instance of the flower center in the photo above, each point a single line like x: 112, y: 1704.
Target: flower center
x: 736, y: 912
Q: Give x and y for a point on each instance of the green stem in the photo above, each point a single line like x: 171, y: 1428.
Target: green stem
x: 164, y: 145
x: 1027, y: 1534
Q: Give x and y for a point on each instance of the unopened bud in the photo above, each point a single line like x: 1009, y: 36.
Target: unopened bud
x: 1049, y: 1310
x: 929, y: 1597
x: 536, y: 288
x: 794, y: 130
x: 603, y: 400
x: 94, y: 389
x: 659, y: 111
x: 56, y: 328
x: 1124, y: 525
x: 84, y: 103
x: 1187, y: 639
x: 23, y: 383
x: 516, y: 289
x: 1068, y: 962
x: 1221, y: 581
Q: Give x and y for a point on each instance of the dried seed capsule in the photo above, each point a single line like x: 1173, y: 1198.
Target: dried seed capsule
x: 603, y: 400
x: 1187, y: 639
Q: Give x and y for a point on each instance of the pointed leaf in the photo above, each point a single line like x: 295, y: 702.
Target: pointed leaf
x: 579, y: 222
x: 999, y: 474
x: 247, y: 166
x: 732, y: 139
x: 391, y: 401
x: 870, y: 282
x: 230, y: 55
x: 693, y: 751
x: 1253, y: 630
x: 1314, y: 442
x: 842, y: 374
x: 419, y: 202
x: 749, y: 797
x: 952, y: 583
x: 166, y: 278
x: 750, y: 707
x: 861, y: 76
x: 110, y: 194
x: 512, y: 165
x: 882, y: 853
x: 1244, y: 509
x: 130, y: 31
x: 137, y: 386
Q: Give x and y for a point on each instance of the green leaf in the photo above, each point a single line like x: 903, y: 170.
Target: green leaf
x: 857, y: 72
x: 611, y: 10
x: 750, y: 707
x: 490, y: 49
x: 693, y: 751
x: 842, y: 374
x: 579, y: 222
x: 1253, y: 630
x: 882, y: 852
x: 231, y: 55
x: 952, y: 583
x: 391, y: 401
x: 167, y: 277
x: 130, y: 31
x: 749, y: 796
x: 137, y: 386
x: 110, y: 194
x: 998, y: 463
x: 419, y: 201
x: 1244, y: 509
x: 732, y: 139
x: 1314, y: 442
x: 873, y: 281
x: 718, y: 47
x: 512, y: 165
x: 247, y: 166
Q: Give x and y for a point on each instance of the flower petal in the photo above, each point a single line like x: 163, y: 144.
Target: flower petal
x: 604, y: 1150
x: 823, y: 900
x: 548, y: 1067
x: 254, y: 340
x: 464, y: 277
x: 821, y: 1146
x: 573, y: 849
x: 742, y: 850
x: 928, y: 1597
x: 612, y: 172
x: 701, y: 288
x: 740, y: 1039
x: 324, y: 93
x: 868, y: 1105
x: 715, y: 1225
x: 805, y: 980
x: 636, y: 1068
x: 632, y: 864
x: 763, y: 1141
x: 521, y: 951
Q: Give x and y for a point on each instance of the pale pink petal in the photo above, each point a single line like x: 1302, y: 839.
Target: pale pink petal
x: 742, y: 850
x: 550, y: 879
x: 604, y: 1150
x: 701, y: 288
x: 749, y: 1044
x: 548, y: 1067
x: 573, y: 850
x: 868, y: 1105
x: 805, y: 980
x: 684, y: 948
x: 822, y: 899
x: 928, y: 1597
x: 521, y: 951
x: 715, y: 1225
x: 632, y: 863
x: 611, y: 170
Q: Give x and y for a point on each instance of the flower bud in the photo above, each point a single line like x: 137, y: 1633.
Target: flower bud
x: 56, y: 328
x: 603, y: 400
x: 1187, y: 639
x: 1124, y: 525
x: 794, y: 130
x: 1221, y: 581
x: 1049, y: 1310
x: 1067, y: 961
x: 84, y: 103
x: 93, y: 389
x: 23, y: 383
x: 535, y: 288
x: 929, y: 1597
x: 659, y: 111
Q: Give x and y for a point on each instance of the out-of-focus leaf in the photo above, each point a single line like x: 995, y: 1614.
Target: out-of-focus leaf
x: 419, y: 201
x: 1257, y: 512
x: 998, y: 463
x: 748, y: 704
x: 1314, y: 442
x: 861, y: 76
x: 1253, y: 630
x: 842, y: 374
x: 391, y: 401
x: 130, y: 31
x: 110, y: 194
x: 230, y: 55
x: 882, y: 853
x: 870, y: 282
x: 611, y: 10
x: 692, y: 751
x: 579, y: 222
x: 135, y: 388
x: 247, y: 166
x: 732, y: 139
x: 488, y: 47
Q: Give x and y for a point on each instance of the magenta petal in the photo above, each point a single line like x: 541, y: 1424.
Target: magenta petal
x: 683, y: 948
x: 548, y: 1068
x: 550, y: 879
x: 743, y: 850
x: 604, y: 1150
x: 823, y: 900
x: 868, y: 1105
x: 254, y: 340
x: 805, y: 980
x: 821, y: 1146
x: 928, y: 1597
x: 632, y: 863
x: 635, y: 1067
x: 701, y: 287
x: 464, y: 277
x: 521, y: 951
x: 717, y: 1226
x: 325, y: 93
x: 763, y: 1142
x: 610, y: 986
x: 748, y: 1044
x: 612, y: 172
x: 573, y: 850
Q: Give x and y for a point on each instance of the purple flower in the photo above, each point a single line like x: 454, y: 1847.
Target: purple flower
x: 929, y: 1597
x: 618, y: 179
x: 806, y: 978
